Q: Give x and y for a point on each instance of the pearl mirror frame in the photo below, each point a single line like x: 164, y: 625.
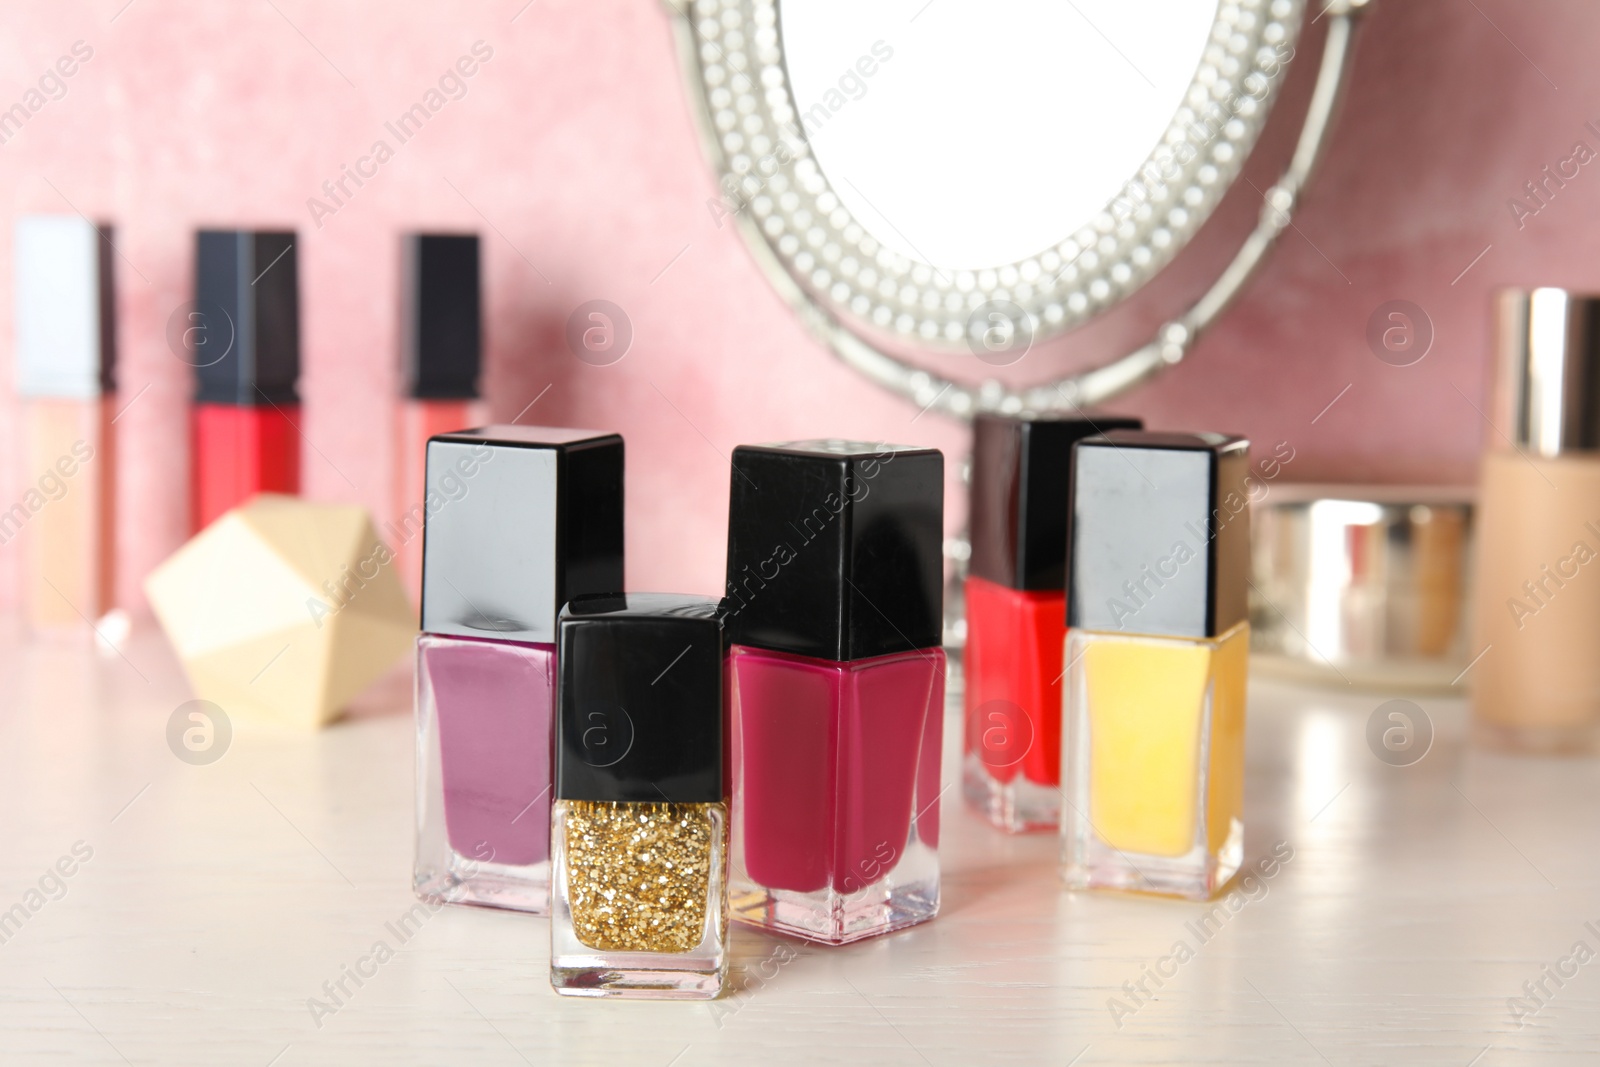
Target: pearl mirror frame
x: 867, y: 302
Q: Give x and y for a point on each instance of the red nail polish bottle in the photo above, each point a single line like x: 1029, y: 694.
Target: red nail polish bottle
x: 833, y: 605
x: 440, y: 359
x: 244, y: 342
x: 1016, y: 615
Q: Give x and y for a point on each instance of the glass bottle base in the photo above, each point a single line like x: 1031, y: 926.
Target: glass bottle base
x: 593, y: 906
x: 907, y: 895
x: 1195, y: 875
x: 1018, y: 806
x: 459, y: 880
x: 642, y: 975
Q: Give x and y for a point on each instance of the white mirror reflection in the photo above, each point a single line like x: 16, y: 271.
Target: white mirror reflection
x: 969, y: 134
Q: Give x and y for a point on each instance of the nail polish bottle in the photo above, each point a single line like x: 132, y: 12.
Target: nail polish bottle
x: 834, y: 590
x: 243, y: 339
x: 1535, y: 683
x: 1158, y: 553
x: 440, y: 356
x: 639, y: 833
x: 519, y: 519
x: 66, y: 352
x: 1016, y: 615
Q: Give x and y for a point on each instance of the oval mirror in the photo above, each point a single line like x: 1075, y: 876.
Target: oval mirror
x: 928, y: 177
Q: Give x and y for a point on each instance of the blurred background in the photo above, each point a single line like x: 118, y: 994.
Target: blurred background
x: 573, y: 152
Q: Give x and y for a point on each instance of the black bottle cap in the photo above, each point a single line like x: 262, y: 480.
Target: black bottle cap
x: 440, y: 332
x: 1159, y: 536
x: 245, y: 341
x: 1020, y: 474
x: 519, y: 519
x: 834, y: 548
x: 639, y: 699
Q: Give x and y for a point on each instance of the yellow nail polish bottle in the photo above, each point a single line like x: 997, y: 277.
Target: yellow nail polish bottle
x: 1158, y: 548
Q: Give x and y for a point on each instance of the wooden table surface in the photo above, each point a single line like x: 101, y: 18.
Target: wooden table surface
x: 216, y: 900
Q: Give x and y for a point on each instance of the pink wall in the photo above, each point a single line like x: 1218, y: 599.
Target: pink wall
x: 575, y: 143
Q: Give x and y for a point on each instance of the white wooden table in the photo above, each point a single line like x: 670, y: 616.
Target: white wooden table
x: 219, y: 898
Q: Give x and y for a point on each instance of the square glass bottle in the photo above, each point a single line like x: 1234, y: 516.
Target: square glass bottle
x: 1157, y: 650
x: 1016, y: 615
x: 519, y: 519
x: 834, y: 612
x: 639, y: 832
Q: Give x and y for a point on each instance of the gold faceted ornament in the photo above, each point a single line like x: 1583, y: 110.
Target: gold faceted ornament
x: 283, y: 610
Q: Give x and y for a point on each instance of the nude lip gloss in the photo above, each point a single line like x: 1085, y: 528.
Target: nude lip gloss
x: 519, y: 519
x: 639, y: 834
x: 66, y: 354
x: 1157, y: 653
x: 834, y: 604
x: 1016, y: 615
x: 245, y: 346
x: 440, y: 358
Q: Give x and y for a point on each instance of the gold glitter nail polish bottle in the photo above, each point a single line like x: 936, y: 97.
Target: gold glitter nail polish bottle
x: 639, y: 829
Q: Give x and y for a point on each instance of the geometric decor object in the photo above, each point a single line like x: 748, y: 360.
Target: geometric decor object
x: 283, y: 610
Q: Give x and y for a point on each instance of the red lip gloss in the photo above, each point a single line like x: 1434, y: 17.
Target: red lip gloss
x: 833, y: 608
x: 244, y: 342
x: 440, y: 358
x: 1016, y: 615
x: 66, y: 351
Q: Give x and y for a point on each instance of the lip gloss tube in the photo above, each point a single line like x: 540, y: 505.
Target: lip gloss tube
x: 244, y: 342
x: 834, y: 606
x: 639, y: 834
x: 66, y: 355
x: 1158, y: 553
x: 1016, y: 615
x: 440, y: 359
x: 519, y: 519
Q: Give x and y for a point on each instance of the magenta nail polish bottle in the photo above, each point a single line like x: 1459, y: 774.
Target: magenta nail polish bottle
x: 520, y: 519
x: 834, y: 605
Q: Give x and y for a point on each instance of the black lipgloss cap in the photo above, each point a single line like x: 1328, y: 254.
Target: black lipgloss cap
x: 441, y: 328
x: 639, y: 699
x: 834, y: 548
x: 1020, y: 474
x: 243, y: 335
x: 1158, y: 541
x: 520, y: 519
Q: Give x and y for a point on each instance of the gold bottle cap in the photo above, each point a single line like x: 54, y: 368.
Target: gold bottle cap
x: 1547, y: 348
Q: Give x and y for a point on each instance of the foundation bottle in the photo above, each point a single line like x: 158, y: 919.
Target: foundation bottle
x: 1536, y: 686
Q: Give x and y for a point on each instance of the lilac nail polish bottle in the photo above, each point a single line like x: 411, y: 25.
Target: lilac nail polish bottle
x: 520, y: 519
